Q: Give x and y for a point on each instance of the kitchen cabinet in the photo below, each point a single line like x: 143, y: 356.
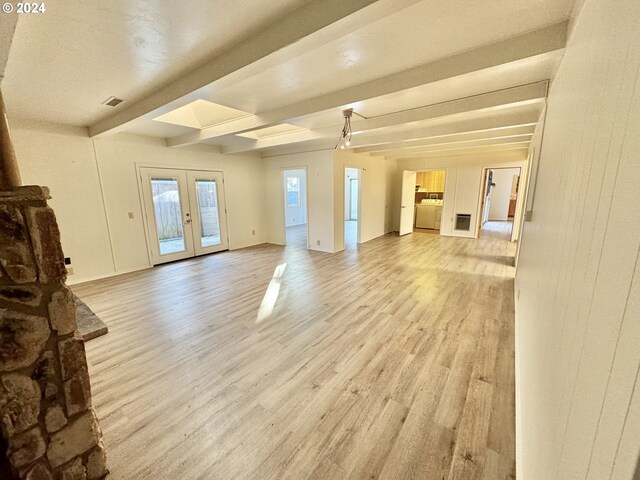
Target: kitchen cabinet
x: 439, y: 181
x: 430, y: 181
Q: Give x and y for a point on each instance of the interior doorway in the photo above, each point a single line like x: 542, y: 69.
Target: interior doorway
x: 500, y: 192
x: 429, y: 201
x: 185, y: 213
x: 351, y: 206
x: 295, y: 206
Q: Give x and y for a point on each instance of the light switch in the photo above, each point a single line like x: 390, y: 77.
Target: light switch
x: 131, y: 215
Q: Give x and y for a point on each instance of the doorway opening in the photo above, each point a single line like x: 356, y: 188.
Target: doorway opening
x: 185, y: 213
x: 295, y: 207
x: 500, y: 189
x: 429, y: 201
x: 351, y: 206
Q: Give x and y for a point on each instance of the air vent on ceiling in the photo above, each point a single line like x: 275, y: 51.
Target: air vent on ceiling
x: 113, y: 101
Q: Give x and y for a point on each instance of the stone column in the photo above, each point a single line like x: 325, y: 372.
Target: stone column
x: 46, y: 417
x: 9, y: 173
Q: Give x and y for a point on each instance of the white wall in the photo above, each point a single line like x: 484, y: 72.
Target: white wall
x: 463, y: 181
x: 325, y: 173
x: 320, y: 178
x: 98, y: 234
x: 117, y: 159
x: 296, y: 215
x: 578, y: 279
x: 63, y: 159
x: 392, y: 203
x: 372, y: 184
x: 501, y: 193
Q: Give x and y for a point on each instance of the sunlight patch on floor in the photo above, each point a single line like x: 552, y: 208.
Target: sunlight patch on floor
x: 271, y: 295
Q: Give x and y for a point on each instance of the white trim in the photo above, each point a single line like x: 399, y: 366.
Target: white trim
x: 518, y: 435
x: 106, y: 275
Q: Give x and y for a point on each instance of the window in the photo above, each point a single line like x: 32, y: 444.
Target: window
x: 293, y: 191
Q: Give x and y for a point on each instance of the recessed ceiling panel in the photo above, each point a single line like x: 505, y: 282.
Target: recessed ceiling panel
x: 201, y: 114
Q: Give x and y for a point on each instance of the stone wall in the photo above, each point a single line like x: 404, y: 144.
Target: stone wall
x: 46, y: 419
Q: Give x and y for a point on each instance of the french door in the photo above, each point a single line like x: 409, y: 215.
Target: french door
x: 185, y: 213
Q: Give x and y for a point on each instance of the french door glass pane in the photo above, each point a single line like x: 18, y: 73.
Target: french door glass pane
x: 208, y: 210
x: 168, y: 211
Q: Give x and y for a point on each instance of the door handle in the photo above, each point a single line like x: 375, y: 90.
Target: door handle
x: 403, y: 206
x: 188, y: 220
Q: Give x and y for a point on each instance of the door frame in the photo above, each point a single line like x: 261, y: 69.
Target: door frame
x: 344, y: 203
x: 145, y: 224
x: 519, y: 197
x: 284, y: 201
x: 444, y: 191
x: 485, y: 175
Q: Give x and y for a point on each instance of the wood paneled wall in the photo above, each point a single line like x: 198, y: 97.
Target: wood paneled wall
x: 578, y: 281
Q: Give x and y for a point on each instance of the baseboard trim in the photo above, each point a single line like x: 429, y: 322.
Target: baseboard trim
x: 78, y: 281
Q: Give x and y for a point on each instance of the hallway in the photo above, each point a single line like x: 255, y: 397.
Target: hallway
x: 497, y: 229
x: 297, y: 236
x: 391, y: 361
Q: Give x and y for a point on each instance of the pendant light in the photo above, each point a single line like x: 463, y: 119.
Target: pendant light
x: 345, y: 137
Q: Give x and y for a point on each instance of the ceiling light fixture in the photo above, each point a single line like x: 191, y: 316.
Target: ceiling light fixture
x: 345, y: 137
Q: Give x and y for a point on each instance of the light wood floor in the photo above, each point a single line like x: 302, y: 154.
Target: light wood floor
x: 393, y: 360
x: 297, y: 236
x: 497, y: 229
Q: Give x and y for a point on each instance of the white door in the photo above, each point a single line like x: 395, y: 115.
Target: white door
x: 487, y: 199
x: 185, y: 213
x: 206, y: 203
x: 407, y: 201
x: 168, y: 217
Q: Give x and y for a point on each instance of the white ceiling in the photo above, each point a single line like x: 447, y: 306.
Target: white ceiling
x: 64, y: 63
x: 421, y: 33
x: 400, y: 63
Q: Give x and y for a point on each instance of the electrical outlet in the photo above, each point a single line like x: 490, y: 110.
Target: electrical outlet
x: 253, y: 232
x: 318, y: 242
